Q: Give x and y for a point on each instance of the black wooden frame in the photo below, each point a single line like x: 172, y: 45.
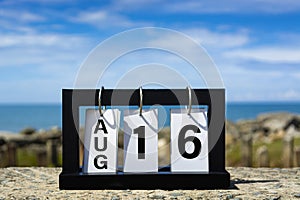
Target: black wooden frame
x: 72, y: 177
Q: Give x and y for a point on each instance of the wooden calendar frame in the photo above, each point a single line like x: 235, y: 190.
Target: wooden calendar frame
x: 72, y: 177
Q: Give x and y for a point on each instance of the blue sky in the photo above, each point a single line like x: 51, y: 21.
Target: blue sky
x: 255, y: 44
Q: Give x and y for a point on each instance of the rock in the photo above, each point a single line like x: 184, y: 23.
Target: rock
x: 115, y: 198
x: 281, y: 116
x: 55, y: 129
x: 128, y: 191
x: 278, y: 135
x: 295, y: 121
x: 291, y: 130
x: 262, y: 156
x: 164, y: 133
x: 163, y: 151
x: 9, y: 136
x: 2, y: 141
x: 257, y: 193
x: 252, y: 183
x: 247, y: 126
x: 231, y: 129
x: 229, y: 140
x: 175, y: 194
x: 237, y: 198
x: 278, y: 121
x: 275, y: 198
x: 229, y: 196
x: 155, y: 196
x: 28, y: 131
x: 273, y: 125
x: 120, y: 138
x: 32, y: 198
x: 269, y: 126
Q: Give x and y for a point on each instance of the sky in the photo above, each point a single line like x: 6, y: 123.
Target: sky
x: 254, y: 44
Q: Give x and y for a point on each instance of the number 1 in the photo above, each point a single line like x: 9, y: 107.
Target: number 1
x: 141, y: 141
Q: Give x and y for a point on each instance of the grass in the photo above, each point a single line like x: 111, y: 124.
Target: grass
x: 233, y: 153
x: 27, y: 157
x: 275, y: 152
x: 297, y: 142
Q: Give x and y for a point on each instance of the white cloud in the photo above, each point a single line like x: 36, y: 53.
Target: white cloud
x: 12, y: 27
x: 266, y: 54
x: 135, y: 4
x: 290, y: 94
x: 245, y: 82
x: 296, y: 75
x: 211, y: 6
x: 234, y: 6
x: 46, y: 40
x: 218, y: 39
x: 54, y: 58
x: 104, y: 19
x: 33, y: 90
x: 19, y: 21
x: 48, y: 1
x: 151, y: 66
x: 21, y: 16
x: 39, y: 65
x: 42, y: 50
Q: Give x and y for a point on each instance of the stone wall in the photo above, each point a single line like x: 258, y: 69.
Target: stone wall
x: 246, y: 183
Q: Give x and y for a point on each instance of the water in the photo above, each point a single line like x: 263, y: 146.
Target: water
x: 238, y: 111
x: 17, y: 117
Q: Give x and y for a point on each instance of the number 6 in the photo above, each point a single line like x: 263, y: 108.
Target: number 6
x: 182, y: 141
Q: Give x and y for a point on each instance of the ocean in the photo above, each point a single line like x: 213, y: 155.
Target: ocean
x: 14, y: 118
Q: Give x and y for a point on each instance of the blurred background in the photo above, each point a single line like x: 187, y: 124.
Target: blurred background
x: 255, y: 46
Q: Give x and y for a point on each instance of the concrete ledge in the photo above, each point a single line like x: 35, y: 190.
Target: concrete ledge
x: 246, y: 183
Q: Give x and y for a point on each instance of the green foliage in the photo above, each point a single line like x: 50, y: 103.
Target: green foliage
x: 26, y: 158
x: 234, y: 157
x: 275, y: 152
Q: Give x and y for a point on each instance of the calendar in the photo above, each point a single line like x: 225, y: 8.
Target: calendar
x: 140, y: 141
x: 189, y: 141
x: 197, y: 143
x: 101, y: 141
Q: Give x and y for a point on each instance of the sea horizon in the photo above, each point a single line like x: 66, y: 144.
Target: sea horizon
x: 15, y: 117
